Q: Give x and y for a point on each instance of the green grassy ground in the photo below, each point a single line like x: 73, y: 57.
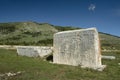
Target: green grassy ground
x: 37, y: 69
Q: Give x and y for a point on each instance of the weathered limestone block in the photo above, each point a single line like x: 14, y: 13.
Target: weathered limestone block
x: 78, y: 47
x: 33, y: 51
x: 27, y: 51
x: 43, y: 51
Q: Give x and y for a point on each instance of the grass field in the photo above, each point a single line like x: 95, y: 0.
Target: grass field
x: 37, y: 69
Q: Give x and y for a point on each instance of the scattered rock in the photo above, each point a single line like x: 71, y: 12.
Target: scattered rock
x: 101, y: 69
x: 11, y: 74
x: 118, y: 63
x: 108, y: 57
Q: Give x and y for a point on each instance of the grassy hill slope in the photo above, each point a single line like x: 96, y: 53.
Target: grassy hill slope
x: 32, y: 33
x: 109, y: 42
x: 26, y: 33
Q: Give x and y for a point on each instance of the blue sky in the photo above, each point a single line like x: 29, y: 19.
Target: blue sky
x: 102, y: 14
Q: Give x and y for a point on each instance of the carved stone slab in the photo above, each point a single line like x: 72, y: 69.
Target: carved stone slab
x: 78, y: 47
x: 34, y: 51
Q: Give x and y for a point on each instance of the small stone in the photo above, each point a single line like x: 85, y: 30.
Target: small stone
x: 118, y: 63
x: 108, y: 57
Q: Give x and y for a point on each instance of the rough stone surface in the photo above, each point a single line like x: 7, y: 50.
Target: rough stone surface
x: 78, y: 47
x: 33, y: 51
x: 43, y: 51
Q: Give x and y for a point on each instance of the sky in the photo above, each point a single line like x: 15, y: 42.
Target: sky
x: 102, y: 14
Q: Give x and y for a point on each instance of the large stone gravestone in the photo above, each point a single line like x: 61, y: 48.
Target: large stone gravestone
x: 78, y: 47
x: 34, y: 51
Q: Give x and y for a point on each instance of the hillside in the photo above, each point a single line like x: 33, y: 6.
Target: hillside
x: 32, y: 33
x: 109, y: 42
x: 26, y: 33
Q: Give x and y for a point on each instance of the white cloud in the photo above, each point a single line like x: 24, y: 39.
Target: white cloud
x: 91, y: 7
